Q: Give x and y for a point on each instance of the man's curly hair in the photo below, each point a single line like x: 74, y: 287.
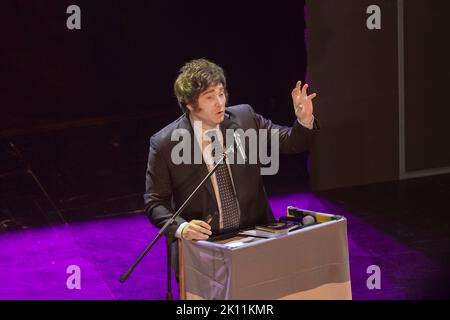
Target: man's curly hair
x: 194, y: 78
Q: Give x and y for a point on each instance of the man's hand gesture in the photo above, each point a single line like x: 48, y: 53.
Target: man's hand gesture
x: 302, y: 102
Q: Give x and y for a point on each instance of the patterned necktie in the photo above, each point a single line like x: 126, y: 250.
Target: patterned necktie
x: 228, y: 200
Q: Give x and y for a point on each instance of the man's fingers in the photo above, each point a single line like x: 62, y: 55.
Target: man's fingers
x: 304, y: 92
x: 198, y: 236
x: 194, y: 235
x: 312, y: 96
x: 201, y: 229
x: 298, y: 88
x: 201, y: 223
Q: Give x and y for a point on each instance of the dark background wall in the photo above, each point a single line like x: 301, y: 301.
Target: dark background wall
x: 356, y: 71
x: 127, y: 54
x: 427, y: 84
x: 80, y: 105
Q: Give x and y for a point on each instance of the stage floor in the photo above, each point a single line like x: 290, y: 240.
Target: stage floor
x: 389, y: 225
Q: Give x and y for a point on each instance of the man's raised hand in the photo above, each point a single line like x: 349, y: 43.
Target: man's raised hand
x: 302, y: 102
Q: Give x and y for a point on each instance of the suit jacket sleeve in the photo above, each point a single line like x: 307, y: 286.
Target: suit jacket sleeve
x: 293, y: 139
x: 158, y: 188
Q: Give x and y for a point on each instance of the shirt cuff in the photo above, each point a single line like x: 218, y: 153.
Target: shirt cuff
x: 309, y: 125
x: 180, y: 230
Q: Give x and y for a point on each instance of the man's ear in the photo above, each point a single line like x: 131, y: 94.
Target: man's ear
x: 189, y: 107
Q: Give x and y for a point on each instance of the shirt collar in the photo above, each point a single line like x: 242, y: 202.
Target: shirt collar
x: 199, y: 132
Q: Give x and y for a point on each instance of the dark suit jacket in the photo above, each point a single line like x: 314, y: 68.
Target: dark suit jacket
x: 168, y: 185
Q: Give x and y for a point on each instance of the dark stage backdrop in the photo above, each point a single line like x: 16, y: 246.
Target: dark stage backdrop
x: 80, y: 105
x: 127, y: 54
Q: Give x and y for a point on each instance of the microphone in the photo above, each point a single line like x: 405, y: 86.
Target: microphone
x: 319, y: 217
x: 237, y: 139
x: 209, y: 219
x: 301, y: 221
x: 308, y: 220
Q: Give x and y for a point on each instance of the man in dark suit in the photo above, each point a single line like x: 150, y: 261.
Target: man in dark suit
x: 234, y: 196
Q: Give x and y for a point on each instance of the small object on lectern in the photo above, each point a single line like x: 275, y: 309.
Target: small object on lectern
x: 293, y: 212
x: 308, y: 220
x: 279, y: 227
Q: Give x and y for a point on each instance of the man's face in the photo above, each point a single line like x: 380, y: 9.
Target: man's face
x: 211, y: 106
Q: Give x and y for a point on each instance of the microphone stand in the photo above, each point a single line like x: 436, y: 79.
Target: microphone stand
x: 169, y: 223
x: 169, y: 238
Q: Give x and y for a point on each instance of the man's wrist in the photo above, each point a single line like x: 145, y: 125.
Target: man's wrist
x: 307, y: 124
x: 179, y: 232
